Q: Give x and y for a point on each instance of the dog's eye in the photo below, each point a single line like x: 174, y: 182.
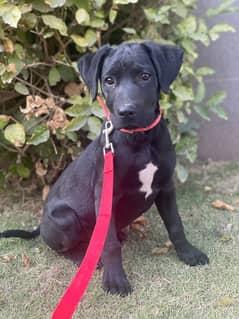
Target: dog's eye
x: 109, y: 80
x: 145, y: 76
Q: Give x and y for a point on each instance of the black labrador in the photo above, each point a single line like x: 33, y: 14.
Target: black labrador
x: 131, y: 77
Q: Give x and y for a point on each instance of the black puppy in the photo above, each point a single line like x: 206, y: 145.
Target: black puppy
x: 131, y: 77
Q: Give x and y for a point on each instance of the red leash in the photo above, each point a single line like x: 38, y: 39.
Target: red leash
x: 75, y: 291
x: 68, y: 303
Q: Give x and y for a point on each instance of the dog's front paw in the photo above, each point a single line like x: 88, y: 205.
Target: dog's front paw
x: 116, y: 282
x: 191, y: 255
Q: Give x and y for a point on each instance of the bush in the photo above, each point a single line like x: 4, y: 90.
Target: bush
x: 45, y: 118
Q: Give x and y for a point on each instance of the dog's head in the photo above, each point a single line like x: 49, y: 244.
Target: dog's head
x: 131, y: 77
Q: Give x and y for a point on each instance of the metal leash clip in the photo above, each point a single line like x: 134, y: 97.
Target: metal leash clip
x: 107, y: 131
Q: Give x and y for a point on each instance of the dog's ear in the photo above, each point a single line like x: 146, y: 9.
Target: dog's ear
x: 90, y: 66
x: 167, y: 60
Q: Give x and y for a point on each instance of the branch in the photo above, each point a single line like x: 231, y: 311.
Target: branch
x: 61, y: 99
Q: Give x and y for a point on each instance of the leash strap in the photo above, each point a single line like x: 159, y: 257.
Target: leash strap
x: 75, y: 291
x: 104, y: 107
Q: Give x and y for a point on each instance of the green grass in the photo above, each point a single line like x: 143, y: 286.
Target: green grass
x: 164, y: 288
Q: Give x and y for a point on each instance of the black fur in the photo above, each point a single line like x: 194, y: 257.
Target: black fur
x: 131, y: 77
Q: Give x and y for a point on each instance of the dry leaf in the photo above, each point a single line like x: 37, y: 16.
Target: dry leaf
x: 26, y: 261
x: 141, y: 220
x: 11, y: 68
x: 225, y: 238
x: 158, y: 251
x: 222, y: 205
x: 226, y: 301
x: 37, y: 106
x: 7, y: 258
x: 139, y: 225
x: 45, y: 192
x: 168, y: 244
x: 207, y: 188
x: 40, y: 170
x: 59, y: 120
x: 164, y: 249
x: 140, y: 229
x: 8, y: 45
x: 37, y: 250
x: 73, y: 88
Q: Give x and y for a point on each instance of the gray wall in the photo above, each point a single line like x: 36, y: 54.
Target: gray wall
x: 219, y: 139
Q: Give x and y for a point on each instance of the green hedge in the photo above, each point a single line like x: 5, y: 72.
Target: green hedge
x: 45, y: 118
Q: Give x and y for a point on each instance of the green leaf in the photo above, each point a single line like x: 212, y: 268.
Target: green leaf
x: 94, y: 125
x: 78, y: 110
x: 99, y: 23
x: 55, y: 23
x: 220, y: 112
x: 182, y: 173
x: 180, y: 10
x: 76, y: 124
x: 158, y: 15
x: 87, y: 41
x: 40, y: 6
x: 215, y: 99
x: 55, y: 3
x: 202, y: 111
x: 4, y: 120
x: 215, y: 31
x: 200, y: 93
x: 85, y: 4
x: 10, y: 14
x: 181, y: 117
x: 183, y: 93
x: 25, y: 8
x: 188, y: 25
x: 3, y: 68
x: 40, y: 135
x: 54, y: 76
x: 67, y: 73
x: 19, y: 64
x: 191, y: 153
x: 29, y: 20
x: 21, y: 88
x: 72, y: 136
x: 205, y: 71
x: 82, y: 17
x: 189, y: 2
x: 96, y: 110
x: 23, y: 171
x: 224, y: 7
x: 99, y: 3
x: 124, y: 1
x: 77, y: 99
x: 15, y: 134
x: 112, y: 15
x: 129, y: 30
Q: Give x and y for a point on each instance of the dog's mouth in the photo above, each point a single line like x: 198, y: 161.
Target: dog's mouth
x: 129, y: 124
x: 122, y: 124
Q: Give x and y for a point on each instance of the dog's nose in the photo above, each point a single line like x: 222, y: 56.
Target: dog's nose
x: 126, y: 111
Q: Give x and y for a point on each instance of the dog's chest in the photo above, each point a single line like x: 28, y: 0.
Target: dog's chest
x: 146, y: 177
x: 138, y: 175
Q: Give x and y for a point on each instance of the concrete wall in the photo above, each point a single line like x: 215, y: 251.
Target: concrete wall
x: 219, y: 139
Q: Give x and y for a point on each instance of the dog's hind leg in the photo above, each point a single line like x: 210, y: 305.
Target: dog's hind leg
x: 60, y: 228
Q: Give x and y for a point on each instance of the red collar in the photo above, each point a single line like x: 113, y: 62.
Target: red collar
x: 136, y: 130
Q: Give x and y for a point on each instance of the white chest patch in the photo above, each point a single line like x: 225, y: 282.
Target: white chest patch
x: 146, y: 177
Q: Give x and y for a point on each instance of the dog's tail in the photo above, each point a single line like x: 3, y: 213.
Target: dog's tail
x: 21, y: 233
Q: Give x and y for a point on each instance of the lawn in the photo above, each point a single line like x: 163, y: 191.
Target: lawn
x: 32, y: 277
